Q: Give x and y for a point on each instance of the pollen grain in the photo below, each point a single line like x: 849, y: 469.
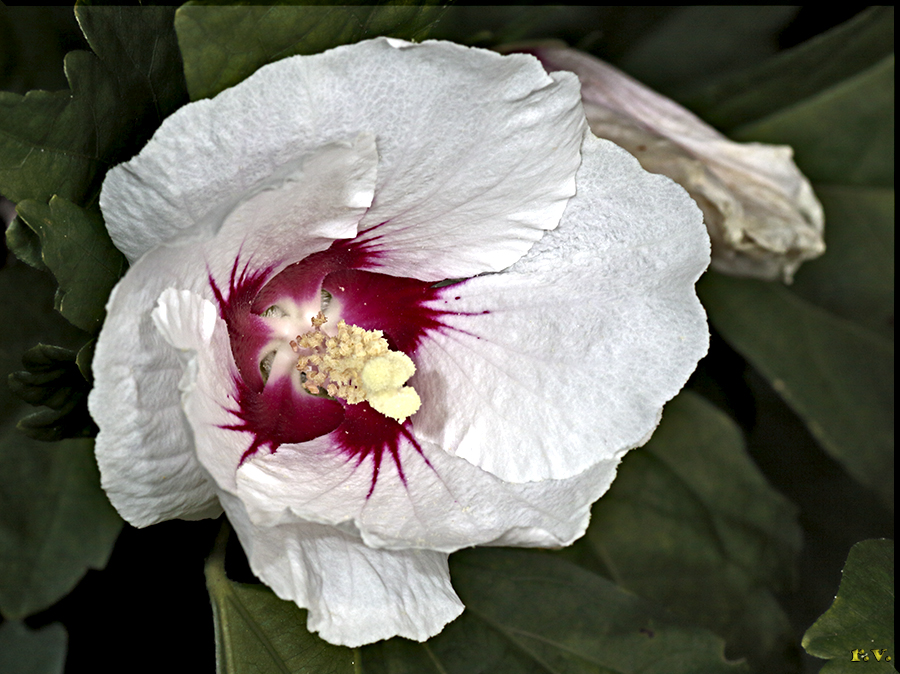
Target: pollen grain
x: 357, y: 365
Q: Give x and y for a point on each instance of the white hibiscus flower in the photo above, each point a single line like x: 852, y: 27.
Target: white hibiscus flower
x: 449, y: 214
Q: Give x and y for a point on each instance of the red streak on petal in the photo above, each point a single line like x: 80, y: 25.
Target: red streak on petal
x: 366, y: 433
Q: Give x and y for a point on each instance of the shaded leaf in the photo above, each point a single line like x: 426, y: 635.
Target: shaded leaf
x: 76, y: 248
x: 691, y: 523
x: 527, y: 613
x: 258, y: 632
x: 586, y: 27
x: 855, y: 278
x: 566, y: 619
x: 25, y: 651
x: 695, y: 45
x: 50, y: 425
x: 33, y: 42
x: 534, y: 613
x: 84, y: 360
x: 843, y: 134
x: 827, y: 347
x: 466, y: 646
x: 222, y: 45
x: 24, y: 244
x: 862, y: 616
x: 836, y: 376
x: 801, y: 72
x: 52, y: 379
x: 48, y: 379
x: 55, y: 521
x: 27, y: 316
x: 62, y: 143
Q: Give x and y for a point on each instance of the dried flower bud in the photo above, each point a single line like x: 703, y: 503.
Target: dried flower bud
x: 760, y: 210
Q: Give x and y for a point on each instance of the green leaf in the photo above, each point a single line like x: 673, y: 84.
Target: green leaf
x: 837, y: 376
x: 826, y: 346
x: 50, y: 425
x: 85, y: 359
x: 696, y: 45
x: 62, y: 143
x: 862, y: 616
x: 222, y: 46
x: 855, y: 278
x: 258, y: 632
x: 466, y: 646
x: 585, y: 27
x: 55, y: 521
x: 690, y: 510
x: 533, y: 613
x: 526, y: 613
x: 565, y: 619
x: 76, y: 248
x: 52, y: 378
x: 843, y: 134
x: 48, y: 379
x: 801, y: 72
x: 33, y: 40
x: 27, y: 315
x: 25, y: 651
x: 25, y: 244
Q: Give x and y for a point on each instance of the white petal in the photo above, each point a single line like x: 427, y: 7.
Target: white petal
x: 208, y: 397
x: 461, y: 188
x: 185, y: 320
x: 441, y: 503
x: 584, y: 339
x: 303, y: 207
x: 145, y: 448
x: 299, y: 207
x: 355, y: 594
x: 483, y: 164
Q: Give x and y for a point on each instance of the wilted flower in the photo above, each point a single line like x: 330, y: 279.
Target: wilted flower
x: 763, y: 217
x: 310, y: 238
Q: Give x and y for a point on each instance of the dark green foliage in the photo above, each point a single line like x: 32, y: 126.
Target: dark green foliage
x: 222, y: 46
x: 862, y: 616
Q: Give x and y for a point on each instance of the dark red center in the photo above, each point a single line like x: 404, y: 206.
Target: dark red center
x: 275, y: 412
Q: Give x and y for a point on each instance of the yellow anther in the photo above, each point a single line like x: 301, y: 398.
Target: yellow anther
x: 358, y: 365
x: 386, y: 372
x: 399, y: 404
